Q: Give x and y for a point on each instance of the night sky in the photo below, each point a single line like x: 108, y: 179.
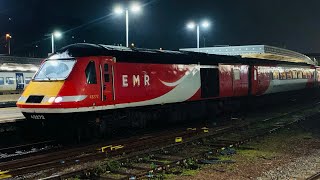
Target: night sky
x: 293, y: 24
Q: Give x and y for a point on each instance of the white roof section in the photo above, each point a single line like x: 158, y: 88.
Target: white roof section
x: 256, y: 51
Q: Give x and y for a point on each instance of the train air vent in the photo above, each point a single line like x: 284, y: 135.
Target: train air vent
x: 34, y: 99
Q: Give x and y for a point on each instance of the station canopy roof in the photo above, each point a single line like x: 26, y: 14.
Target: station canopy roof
x: 258, y: 52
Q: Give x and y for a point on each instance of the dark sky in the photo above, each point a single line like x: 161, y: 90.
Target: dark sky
x: 294, y: 24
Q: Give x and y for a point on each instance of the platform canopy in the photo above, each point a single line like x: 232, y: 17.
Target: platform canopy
x: 257, y: 52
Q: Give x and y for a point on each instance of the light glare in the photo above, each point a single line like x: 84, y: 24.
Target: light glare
x: 191, y: 25
x: 205, y: 24
x: 118, y: 10
x: 135, y: 8
x: 51, y: 99
x: 57, y: 34
x: 58, y: 100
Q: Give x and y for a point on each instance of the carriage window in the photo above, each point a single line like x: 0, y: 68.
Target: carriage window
x: 308, y: 74
x: 294, y: 75
x: 27, y: 80
x: 91, y: 73
x: 289, y: 75
x: 236, y: 74
x: 276, y: 75
x: 283, y: 75
x: 1, y: 81
x: 9, y: 80
x: 299, y: 75
x: 304, y: 75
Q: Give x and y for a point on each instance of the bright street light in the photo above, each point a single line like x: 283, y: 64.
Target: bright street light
x: 192, y: 25
x: 55, y: 34
x: 205, y: 24
x: 118, y: 10
x: 135, y: 8
x: 8, y: 38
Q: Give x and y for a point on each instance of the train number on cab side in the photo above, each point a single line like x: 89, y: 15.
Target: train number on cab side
x: 37, y: 117
x: 94, y: 96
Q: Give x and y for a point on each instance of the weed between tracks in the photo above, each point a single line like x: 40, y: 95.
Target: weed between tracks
x: 256, y: 157
x: 249, y: 160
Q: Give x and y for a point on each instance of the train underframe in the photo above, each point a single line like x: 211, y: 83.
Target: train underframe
x: 107, y: 123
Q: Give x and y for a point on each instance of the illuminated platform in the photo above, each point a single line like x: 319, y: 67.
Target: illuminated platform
x: 258, y: 52
x: 10, y: 115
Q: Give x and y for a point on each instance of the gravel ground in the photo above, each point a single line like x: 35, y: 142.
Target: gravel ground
x: 300, y: 168
x: 291, y: 154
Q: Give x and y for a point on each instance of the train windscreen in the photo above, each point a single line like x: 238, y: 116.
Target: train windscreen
x: 54, y: 70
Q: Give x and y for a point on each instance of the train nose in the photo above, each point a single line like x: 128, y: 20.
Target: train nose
x: 41, y: 93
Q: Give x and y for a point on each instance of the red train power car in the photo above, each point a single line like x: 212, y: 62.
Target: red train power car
x: 118, y: 86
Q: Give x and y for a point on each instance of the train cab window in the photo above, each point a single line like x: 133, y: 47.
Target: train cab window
x: 1, y: 81
x: 27, y: 80
x: 275, y: 74
x: 289, y: 75
x: 236, y: 74
x: 91, y: 73
x: 9, y: 80
x: 299, y: 75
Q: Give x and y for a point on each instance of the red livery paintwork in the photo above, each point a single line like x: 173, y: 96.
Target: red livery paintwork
x: 113, y: 85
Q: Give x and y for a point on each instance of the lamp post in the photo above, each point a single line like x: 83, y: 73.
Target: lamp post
x: 192, y: 25
x: 135, y: 8
x: 8, y: 38
x: 55, y: 34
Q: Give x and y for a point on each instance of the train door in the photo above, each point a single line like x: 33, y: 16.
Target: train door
x: 209, y: 82
x: 254, y: 80
x: 20, y: 81
x: 106, y: 76
x: 263, y: 80
x: 236, y: 81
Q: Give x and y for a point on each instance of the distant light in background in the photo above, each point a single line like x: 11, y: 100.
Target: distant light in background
x: 205, y: 24
x: 191, y: 25
x: 118, y: 9
x: 135, y: 7
x: 57, y: 34
x: 8, y: 38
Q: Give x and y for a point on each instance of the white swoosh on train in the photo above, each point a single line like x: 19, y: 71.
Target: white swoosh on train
x: 173, y: 84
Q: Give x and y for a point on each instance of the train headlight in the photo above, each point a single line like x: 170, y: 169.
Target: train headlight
x: 58, y: 99
x: 51, y: 99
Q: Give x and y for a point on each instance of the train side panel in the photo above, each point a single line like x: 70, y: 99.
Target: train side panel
x: 147, y: 84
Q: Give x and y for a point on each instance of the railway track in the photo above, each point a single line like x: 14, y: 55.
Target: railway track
x: 136, y: 166
x: 131, y: 148
x: 24, y: 150
x: 314, y: 177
